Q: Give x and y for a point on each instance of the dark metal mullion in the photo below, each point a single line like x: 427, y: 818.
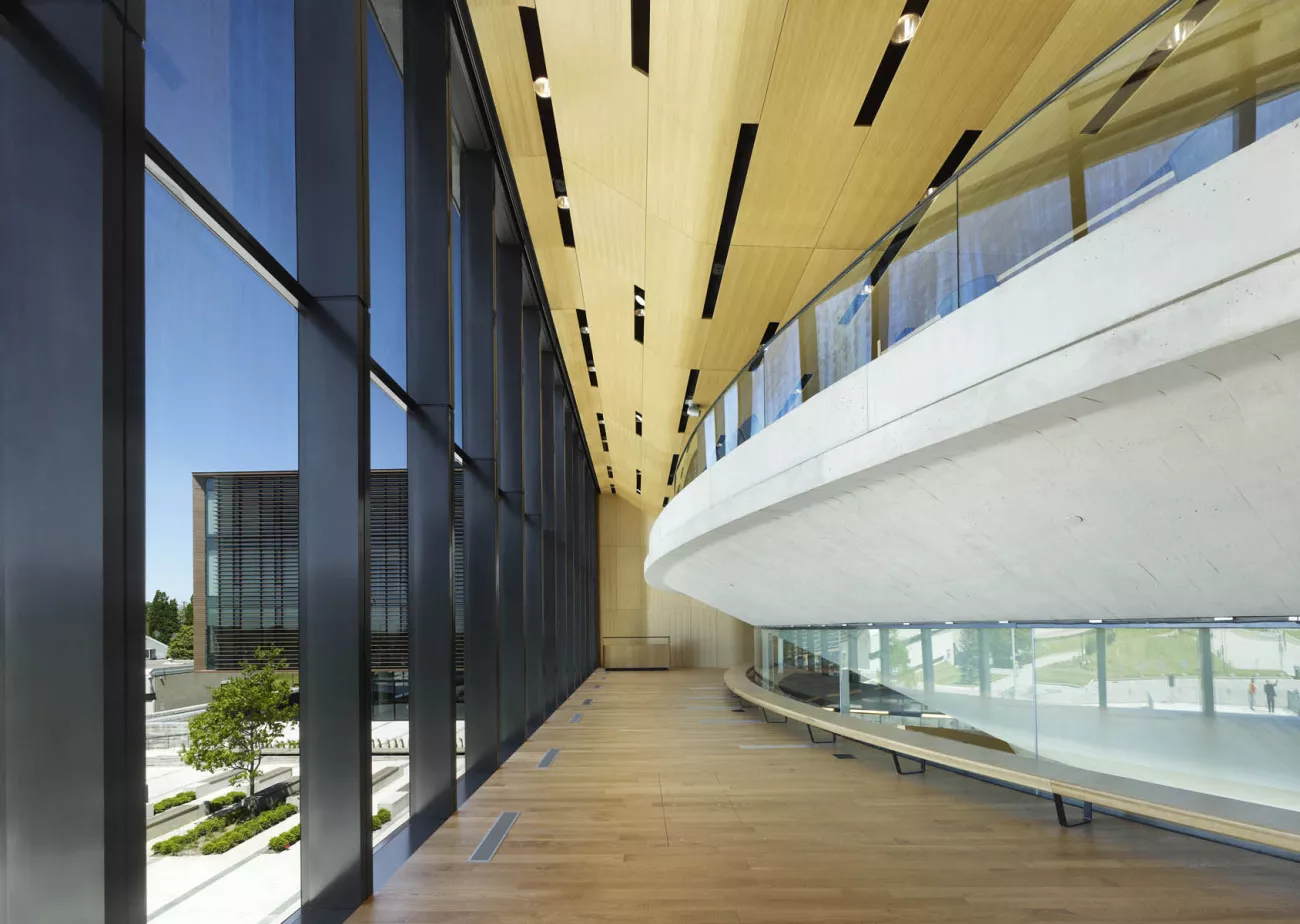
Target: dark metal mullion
x: 431, y: 606
x: 561, y: 548
x: 534, y: 584
x: 478, y: 430
x: 468, y: 44
x: 333, y: 456
x: 510, y: 502
x: 549, y: 362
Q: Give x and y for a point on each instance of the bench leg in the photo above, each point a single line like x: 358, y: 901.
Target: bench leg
x: 1060, y: 813
x: 767, y: 718
x: 901, y: 771
x: 815, y: 741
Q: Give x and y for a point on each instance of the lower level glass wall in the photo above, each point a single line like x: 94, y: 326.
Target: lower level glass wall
x: 1208, y: 708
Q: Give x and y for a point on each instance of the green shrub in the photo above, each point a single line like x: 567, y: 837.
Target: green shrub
x: 172, y: 801
x: 381, y: 818
x: 209, y: 826
x: 251, y: 828
x: 282, y: 842
x: 229, y: 798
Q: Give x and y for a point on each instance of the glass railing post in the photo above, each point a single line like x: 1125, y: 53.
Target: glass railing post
x: 927, y: 660
x: 1101, y: 668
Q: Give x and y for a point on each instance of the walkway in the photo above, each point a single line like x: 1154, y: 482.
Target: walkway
x: 665, y: 805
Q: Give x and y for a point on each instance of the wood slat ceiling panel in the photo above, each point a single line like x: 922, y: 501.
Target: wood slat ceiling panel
x: 501, y: 42
x: 807, y: 141
x: 957, y: 71
x: 710, y: 61
x: 599, y: 99
x: 558, y: 264
x: 758, y: 284
x: 677, y: 275
x: 823, y: 266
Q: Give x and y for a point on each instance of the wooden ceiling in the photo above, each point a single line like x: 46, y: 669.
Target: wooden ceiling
x: 647, y: 160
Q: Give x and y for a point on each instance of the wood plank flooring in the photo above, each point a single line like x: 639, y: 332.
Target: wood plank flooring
x: 654, y: 812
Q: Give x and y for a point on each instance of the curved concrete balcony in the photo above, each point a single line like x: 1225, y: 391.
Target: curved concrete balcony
x: 1110, y: 433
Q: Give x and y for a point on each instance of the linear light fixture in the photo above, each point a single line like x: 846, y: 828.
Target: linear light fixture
x: 730, y: 208
x: 688, y: 399
x: 638, y: 481
x: 638, y: 423
x: 585, y: 331
x: 665, y: 502
x: 546, y: 115
x: 672, y: 468
x: 641, y: 36
x: 899, y: 41
x: 638, y: 314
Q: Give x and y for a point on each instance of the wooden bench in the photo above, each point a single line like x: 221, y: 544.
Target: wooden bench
x: 1234, y: 819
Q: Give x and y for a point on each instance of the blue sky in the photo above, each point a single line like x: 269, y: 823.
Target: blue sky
x: 221, y: 345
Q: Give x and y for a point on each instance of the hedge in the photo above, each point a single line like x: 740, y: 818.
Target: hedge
x: 381, y: 818
x: 172, y: 801
x: 251, y: 828
x: 225, y: 799
x: 178, y: 843
x: 282, y: 842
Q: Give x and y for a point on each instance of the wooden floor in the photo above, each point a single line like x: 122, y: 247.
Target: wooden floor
x: 654, y: 812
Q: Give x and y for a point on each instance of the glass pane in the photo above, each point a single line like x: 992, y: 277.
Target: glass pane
x: 389, y: 573
x: 843, y: 320
x: 782, y: 391
x: 922, y: 279
x: 221, y: 566
x: 219, y: 94
x: 387, y: 207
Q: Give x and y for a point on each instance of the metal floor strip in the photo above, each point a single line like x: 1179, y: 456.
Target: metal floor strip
x: 487, y: 848
x: 772, y: 747
x: 586, y: 702
x: 576, y: 717
x: 548, y: 758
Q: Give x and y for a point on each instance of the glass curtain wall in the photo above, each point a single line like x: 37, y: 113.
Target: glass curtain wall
x: 218, y: 409
x: 1204, y: 707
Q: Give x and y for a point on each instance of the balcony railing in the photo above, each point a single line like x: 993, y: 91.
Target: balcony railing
x: 1194, y: 82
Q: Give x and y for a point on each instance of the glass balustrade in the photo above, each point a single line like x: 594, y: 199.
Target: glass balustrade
x: 1198, y: 80
x: 1208, y: 708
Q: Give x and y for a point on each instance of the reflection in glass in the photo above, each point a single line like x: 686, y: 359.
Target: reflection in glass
x: 221, y: 512
x: 387, y: 163
x: 1209, y: 709
x: 389, y: 620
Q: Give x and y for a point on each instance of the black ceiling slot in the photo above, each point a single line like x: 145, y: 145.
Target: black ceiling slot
x: 672, y: 468
x: 638, y: 423
x: 604, y: 444
x: 641, y: 36
x: 735, y: 189
x: 546, y: 115
x: 590, y: 357
x: 1144, y: 71
x: 591, y: 377
x: 885, y: 71
x: 955, y: 157
x: 691, y: 382
x: 665, y: 502
x: 638, y: 314
x: 638, y: 481
x: 613, y: 490
x: 768, y: 333
x: 610, y: 469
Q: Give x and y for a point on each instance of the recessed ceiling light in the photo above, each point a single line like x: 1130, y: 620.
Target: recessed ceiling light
x: 542, y: 87
x: 692, y: 409
x: 639, y: 298
x: 562, y: 201
x: 591, y: 367
x: 930, y: 191
x: 584, y: 329
x: 638, y: 415
x: 640, y: 312
x: 905, y: 28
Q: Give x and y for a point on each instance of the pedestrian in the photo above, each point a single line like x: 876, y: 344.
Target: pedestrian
x: 1270, y: 693
x: 1250, y: 694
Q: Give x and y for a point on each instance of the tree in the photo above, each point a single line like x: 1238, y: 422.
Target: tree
x: 161, y: 617
x: 182, y: 644
x: 246, y: 716
x: 187, y: 612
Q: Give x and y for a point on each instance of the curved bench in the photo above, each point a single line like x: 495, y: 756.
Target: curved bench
x: 1233, y: 819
